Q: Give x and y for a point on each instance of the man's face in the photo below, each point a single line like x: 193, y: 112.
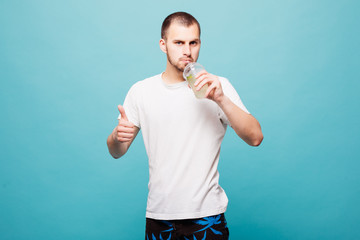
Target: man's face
x: 182, y: 45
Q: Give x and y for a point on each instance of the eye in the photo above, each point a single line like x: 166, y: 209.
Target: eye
x: 193, y: 43
x: 178, y: 43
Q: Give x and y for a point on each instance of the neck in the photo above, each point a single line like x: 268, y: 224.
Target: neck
x: 172, y: 75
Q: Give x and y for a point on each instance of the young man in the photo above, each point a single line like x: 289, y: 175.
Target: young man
x: 182, y: 136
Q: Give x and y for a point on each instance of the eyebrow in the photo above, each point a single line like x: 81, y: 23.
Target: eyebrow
x: 194, y: 40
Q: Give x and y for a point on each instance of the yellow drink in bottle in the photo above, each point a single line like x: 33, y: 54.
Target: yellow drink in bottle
x: 199, y: 94
x: 189, y: 74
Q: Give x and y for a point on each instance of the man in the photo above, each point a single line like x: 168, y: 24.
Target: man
x: 182, y: 136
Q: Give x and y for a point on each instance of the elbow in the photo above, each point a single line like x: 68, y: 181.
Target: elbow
x: 251, y: 133
x: 257, y: 137
x: 256, y: 141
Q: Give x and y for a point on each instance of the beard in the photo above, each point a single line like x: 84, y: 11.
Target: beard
x: 176, y: 64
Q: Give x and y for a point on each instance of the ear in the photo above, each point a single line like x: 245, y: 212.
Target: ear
x: 162, y: 45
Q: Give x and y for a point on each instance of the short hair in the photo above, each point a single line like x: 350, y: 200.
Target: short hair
x: 182, y: 18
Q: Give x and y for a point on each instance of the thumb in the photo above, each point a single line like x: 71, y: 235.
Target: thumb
x: 122, y: 112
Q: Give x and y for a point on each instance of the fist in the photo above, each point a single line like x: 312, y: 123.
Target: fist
x: 124, y: 131
x: 214, y: 91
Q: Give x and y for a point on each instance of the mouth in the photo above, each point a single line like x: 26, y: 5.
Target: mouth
x: 186, y: 61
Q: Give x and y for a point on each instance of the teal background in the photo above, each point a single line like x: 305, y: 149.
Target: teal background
x: 66, y: 65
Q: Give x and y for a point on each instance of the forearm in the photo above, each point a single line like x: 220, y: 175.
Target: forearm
x: 244, y: 124
x: 116, y: 149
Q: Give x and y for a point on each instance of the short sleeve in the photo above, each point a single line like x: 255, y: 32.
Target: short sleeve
x: 231, y: 93
x: 131, y: 106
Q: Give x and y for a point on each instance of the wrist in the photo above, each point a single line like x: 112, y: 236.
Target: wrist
x: 221, y: 101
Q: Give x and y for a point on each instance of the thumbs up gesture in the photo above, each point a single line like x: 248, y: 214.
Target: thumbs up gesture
x: 124, y: 131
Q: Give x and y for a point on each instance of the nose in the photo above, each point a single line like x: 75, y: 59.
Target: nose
x: 186, y: 49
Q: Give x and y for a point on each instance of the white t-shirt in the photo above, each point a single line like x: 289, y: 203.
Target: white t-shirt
x: 182, y: 136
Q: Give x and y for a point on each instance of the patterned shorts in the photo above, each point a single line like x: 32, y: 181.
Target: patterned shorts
x: 209, y: 228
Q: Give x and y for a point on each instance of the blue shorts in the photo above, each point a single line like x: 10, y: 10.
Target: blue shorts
x: 212, y: 227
